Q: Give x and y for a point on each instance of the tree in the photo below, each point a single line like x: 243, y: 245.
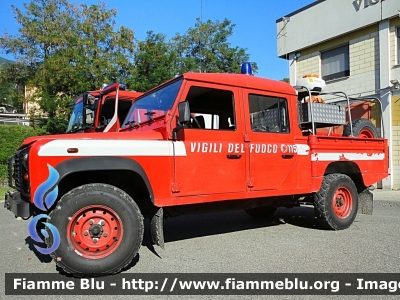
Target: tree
x: 12, y: 79
x: 205, y: 48
x: 68, y: 49
x: 154, y: 62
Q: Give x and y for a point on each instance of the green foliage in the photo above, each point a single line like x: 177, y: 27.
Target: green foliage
x: 4, y: 190
x: 56, y: 125
x: 12, y: 79
x: 4, y: 62
x: 68, y: 49
x: 154, y: 61
x: 205, y: 48
x: 6, y: 90
x: 64, y: 49
x: 6, y: 87
x: 11, y: 136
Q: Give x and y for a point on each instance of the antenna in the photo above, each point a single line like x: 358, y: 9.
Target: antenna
x: 200, y: 35
x: 201, y: 11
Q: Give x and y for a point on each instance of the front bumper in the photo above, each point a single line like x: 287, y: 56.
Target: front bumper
x: 18, y: 206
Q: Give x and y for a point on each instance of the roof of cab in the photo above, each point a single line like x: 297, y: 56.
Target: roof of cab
x: 244, y: 81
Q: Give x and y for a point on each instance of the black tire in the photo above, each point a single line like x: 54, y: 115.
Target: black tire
x: 110, y: 216
x: 261, y: 212
x: 336, y: 203
x: 361, y: 128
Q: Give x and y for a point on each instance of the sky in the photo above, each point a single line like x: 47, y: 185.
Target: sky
x: 255, y: 23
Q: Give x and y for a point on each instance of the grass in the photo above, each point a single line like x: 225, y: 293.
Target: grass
x: 3, y: 190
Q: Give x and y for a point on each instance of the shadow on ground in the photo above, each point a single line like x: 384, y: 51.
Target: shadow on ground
x: 193, y: 226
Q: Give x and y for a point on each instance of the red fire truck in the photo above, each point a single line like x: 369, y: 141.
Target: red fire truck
x: 198, y: 143
x: 101, y: 110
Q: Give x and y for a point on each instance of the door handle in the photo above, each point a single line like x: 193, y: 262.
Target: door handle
x: 285, y: 156
x: 234, y: 156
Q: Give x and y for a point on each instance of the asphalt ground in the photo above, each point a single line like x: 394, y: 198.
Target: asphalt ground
x: 289, y: 242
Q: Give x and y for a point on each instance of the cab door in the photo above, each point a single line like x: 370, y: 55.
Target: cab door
x: 272, y: 153
x: 215, y: 157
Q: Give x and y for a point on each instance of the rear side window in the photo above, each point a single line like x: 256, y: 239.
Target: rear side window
x: 268, y: 114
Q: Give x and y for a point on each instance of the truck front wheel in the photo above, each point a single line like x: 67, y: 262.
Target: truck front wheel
x: 336, y: 202
x: 100, y: 227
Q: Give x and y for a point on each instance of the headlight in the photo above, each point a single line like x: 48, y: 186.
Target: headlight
x: 25, y: 161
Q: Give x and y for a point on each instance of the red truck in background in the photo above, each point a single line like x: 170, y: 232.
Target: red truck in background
x: 101, y: 110
x: 198, y: 143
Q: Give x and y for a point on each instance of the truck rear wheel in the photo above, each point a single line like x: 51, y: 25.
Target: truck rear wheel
x: 261, y: 212
x: 362, y: 128
x: 101, y: 230
x: 336, y: 202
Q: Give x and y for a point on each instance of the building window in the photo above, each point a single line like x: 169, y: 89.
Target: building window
x: 335, y: 63
x: 398, y: 44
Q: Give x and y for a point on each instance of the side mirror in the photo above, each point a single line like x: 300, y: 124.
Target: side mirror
x: 184, y: 118
x: 85, y: 99
x: 184, y: 113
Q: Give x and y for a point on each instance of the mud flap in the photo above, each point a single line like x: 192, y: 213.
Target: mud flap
x: 157, y: 229
x: 365, y: 202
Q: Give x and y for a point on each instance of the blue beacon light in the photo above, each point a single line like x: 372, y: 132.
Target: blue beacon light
x: 246, y: 69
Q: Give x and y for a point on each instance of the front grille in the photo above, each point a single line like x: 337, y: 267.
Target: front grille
x: 10, y: 172
x: 16, y: 172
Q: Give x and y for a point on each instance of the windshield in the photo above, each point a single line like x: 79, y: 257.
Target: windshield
x: 76, y: 120
x: 153, y: 105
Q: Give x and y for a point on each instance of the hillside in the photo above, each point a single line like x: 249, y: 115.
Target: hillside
x: 4, y: 61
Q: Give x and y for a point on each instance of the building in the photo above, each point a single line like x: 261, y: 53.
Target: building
x: 355, y: 46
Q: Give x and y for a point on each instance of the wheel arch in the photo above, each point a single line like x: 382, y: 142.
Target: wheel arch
x: 350, y: 169
x: 124, y: 173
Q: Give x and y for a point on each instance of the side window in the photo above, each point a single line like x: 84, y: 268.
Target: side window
x: 107, y: 111
x: 211, y: 108
x: 268, y: 114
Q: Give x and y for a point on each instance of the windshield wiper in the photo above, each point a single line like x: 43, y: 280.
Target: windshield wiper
x: 75, y: 129
x: 150, y: 114
x: 131, y: 124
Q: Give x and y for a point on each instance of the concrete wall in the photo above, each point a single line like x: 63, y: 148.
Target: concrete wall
x: 396, y: 141
x: 364, y: 62
x: 395, y: 67
x: 395, y: 103
x: 369, y: 28
x: 323, y: 21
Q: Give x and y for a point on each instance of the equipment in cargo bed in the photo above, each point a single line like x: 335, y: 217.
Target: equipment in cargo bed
x: 314, y: 114
x: 323, y: 114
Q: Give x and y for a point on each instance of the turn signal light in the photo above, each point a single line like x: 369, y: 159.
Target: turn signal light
x: 72, y: 150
